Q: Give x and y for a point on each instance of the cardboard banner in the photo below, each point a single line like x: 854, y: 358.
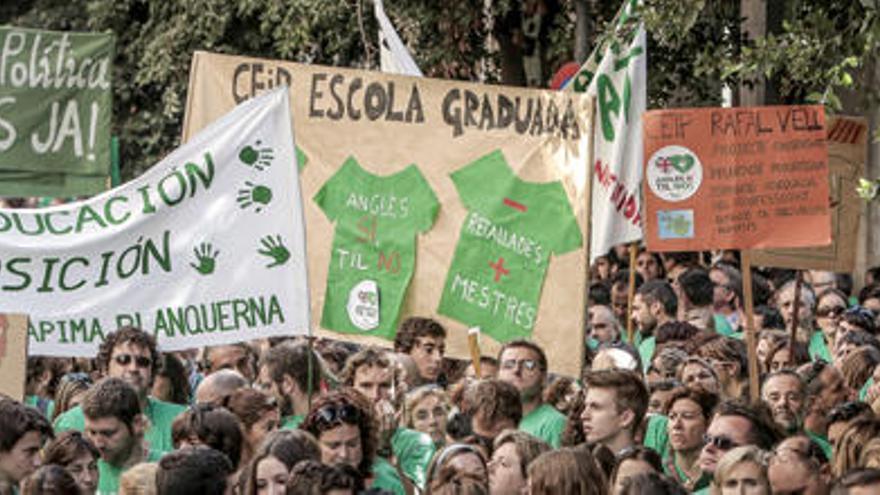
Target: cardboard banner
x: 55, y: 111
x: 847, y: 152
x: 446, y: 199
x: 13, y: 354
x: 736, y: 178
x: 206, y: 247
x: 616, y: 75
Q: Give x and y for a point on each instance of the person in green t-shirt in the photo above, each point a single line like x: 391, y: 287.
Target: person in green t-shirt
x: 344, y: 424
x: 115, y: 425
x: 654, y: 304
x: 523, y: 364
x: 604, y: 326
x: 371, y: 372
x: 688, y: 414
x: 290, y: 372
x: 130, y: 354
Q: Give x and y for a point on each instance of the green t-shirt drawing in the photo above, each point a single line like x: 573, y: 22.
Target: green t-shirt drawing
x: 504, y: 248
x: 374, y: 247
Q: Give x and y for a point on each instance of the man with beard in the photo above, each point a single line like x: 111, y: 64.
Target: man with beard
x: 290, y: 374
x: 130, y: 354
x: 115, y: 425
x: 614, y: 406
x: 654, y: 304
x: 523, y: 364
x: 783, y: 392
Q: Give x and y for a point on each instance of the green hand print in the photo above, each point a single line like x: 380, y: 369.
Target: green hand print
x: 274, y: 248
x: 257, y: 157
x: 206, y: 255
x: 254, y: 194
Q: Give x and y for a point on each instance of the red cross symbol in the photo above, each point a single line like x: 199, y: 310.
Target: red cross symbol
x: 664, y: 164
x: 499, y: 269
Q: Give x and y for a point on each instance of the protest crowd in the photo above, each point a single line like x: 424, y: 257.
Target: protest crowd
x: 667, y: 412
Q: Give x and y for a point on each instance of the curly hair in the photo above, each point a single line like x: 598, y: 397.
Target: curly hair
x: 18, y: 420
x: 112, y: 398
x: 370, y: 356
x: 213, y: 426
x: 134, y: 336
x: 414, y: 328
x: 495, y: 399
x: 362, y: 416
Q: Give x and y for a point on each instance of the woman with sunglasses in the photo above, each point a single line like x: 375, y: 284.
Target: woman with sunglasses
x: 830, y: 306
x: 76, y: 454
x: 343, y: 423
x: 689, y: 412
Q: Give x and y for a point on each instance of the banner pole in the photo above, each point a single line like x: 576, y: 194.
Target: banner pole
x: 588, y: 231
x: 795, y: 320
x: 751, y: 341
x: 631, y: 292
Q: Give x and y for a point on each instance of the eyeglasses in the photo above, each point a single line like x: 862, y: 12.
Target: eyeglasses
x: 332, y: 414
x: 512, y: 364
x: 139, y: 361
x: 720, y: 442
x: 830, y: 311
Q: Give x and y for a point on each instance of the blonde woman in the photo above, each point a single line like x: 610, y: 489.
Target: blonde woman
x: 426, y: 410
x: 139, y: 480
x: 742, y: 471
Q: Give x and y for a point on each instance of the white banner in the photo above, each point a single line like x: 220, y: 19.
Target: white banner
x: 394, y: 58
x: 207, y: 247
x: 619, y: 83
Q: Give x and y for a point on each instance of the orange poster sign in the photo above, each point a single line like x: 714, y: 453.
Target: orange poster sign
x: 736, y: 178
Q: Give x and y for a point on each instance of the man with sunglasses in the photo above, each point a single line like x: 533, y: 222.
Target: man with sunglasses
x: 130, y: 354
x: 735, y: 425
x: 523, y: 364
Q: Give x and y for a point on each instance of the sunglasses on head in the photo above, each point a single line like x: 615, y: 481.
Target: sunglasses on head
x: 139, y: 361
x: 720, y: 442
x: 334, y: 414
x: 76, y: 377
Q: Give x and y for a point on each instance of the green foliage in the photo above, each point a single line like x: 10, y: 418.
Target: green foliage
x: 694, y: 46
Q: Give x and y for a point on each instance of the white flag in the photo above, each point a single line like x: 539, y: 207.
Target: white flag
x: 207, y: 247
x: 393, y: 55
x: 618, y: 81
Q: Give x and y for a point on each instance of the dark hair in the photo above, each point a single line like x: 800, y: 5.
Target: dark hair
x: 849, y: 411
x: 19, y: 420
x: 660, y: 291
x: 290, y: 447
x: 366, y: 357
x: 811, y: 374
x: 599, y: 294
x: 66, y: 447
x: 651, y: 484
x: 213, y: 426
x: 844, y: 282
x: 441, y: 473
x: 173, y: 370
x: 696, y: 286
x: 858, y: 366
x: 861, y: 317
x: 528, y: 344
x: 49, y: 479
x: 133, y: 336
x: 858, y: 338
x: 292, y: 359
x: 772, y: 317
x: 870, y: 291
x: 798, y: 355
x: 637, y: 453
x: 675, y: 331
x: 112, y: 397
x: 726, y: 349
x: 630, y: 391
x: 557, y: 390
x: 194, y: 470
x: 707, y: 401
x: 858, y: 477
x: 621, y: 278
x: 764, y: 433
x: 414, y: 328
x: 734, y: 277
x: 249, y: 405
x: 345, y: 406
x: 496, y: 399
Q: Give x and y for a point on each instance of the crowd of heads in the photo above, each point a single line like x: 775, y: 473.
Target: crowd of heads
x: 663, y: 404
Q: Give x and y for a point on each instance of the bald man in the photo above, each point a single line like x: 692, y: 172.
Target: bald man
x: 219, y: 385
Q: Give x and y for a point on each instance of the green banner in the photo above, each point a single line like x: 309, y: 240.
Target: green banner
x: 55, y: 111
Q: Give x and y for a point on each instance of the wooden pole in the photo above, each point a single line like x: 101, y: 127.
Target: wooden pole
x: 795, y: 317
x: 751, y: 340
x: 588, y: 228
x: 631, y: 293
